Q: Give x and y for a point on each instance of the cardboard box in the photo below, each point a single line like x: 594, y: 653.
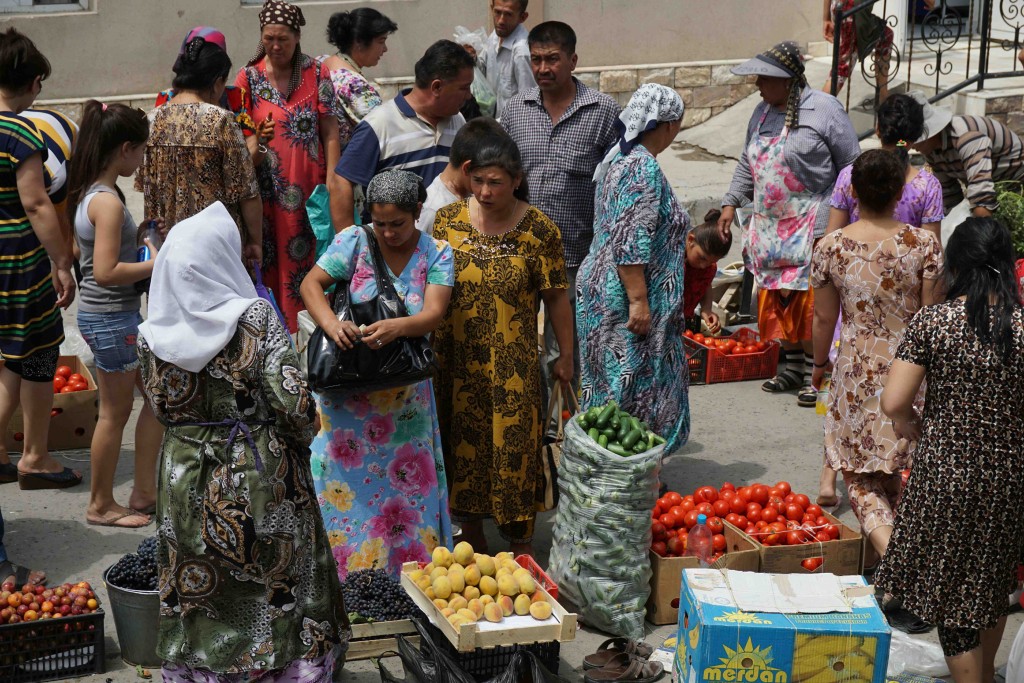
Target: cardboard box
x: 843, y: 556
x: 666, y: 574
x: 716, y: 641
x: 74, y: 421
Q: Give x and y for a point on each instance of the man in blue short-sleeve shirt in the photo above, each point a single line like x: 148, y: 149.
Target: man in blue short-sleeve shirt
x: 412, y: 132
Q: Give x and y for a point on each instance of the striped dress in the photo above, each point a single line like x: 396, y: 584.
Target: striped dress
x: 59, y: 133
x: 29, y: 318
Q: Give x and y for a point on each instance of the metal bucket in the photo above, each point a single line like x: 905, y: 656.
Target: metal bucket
x: 135, y: 618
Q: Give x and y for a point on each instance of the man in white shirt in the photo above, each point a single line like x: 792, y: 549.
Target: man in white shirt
x: 506, y: 59
x: 452, y: 185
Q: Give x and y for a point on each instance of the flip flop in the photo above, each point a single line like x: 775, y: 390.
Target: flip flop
x: 114, y: 522
x: 8, y: 473
x: 626, y: 667
x: 151, y: 510
x: 807, y: 397
x: 34, y: 481
x: 21, y: 574
x: 615, y: 646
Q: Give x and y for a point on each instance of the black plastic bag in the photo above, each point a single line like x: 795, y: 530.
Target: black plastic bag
x: 525, y: 667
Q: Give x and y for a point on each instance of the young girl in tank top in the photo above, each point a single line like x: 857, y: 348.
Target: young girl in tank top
x: 111, y: 145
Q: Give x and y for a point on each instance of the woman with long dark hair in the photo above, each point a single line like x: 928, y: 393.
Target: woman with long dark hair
x: 955, y: 548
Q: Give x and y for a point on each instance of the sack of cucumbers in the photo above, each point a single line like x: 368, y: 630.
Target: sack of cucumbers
x: 603, y: 524
x: 618, y: 431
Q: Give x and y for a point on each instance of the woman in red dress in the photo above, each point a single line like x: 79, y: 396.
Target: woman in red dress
x: 293, y: 91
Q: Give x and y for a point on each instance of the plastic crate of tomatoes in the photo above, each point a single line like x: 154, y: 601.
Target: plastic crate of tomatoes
x: 734, y: 358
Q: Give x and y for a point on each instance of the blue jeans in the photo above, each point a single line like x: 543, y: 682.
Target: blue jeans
x: 111, y: 337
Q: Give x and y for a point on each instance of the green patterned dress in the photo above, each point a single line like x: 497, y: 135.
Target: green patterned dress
x: 247, y: 581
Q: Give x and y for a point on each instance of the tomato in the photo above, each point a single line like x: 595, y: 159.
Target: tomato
x: 743, y: 493
x: 659, y: 531
x: 58, y: 384
x: 690, y: 519
x: 699, y: 338
x: 753, y: 512
x: 668, y: 521
x: 777, y: 502
x: 815, y: 510
x: 734, y: 519
x: 789, y: 498
x: 738, y: 505
x: 794, y: 512
x: 710, y: 493
x: 728, y: 486
x: 761, y: 525
x: 751, y: 348
x: 64, y: 371
x: 722, y: 508
x: 794, y: 538
x: 716, y: 525
x: 812, y: 564
x: 759, y: 494
x: 688, y: 334
x: 68, y: 389
x: 775, y: 492
x: 770, y: 538
x: 687, y: 505
x: 663, y: 503
x: 792, y: 524
x: 78, y: 386
x: 688, y: 499
x: 784, y: 487
x: 769, y: 513
x: 675, y: 546
x: 750, y: 529
x: 802, y: 500
x: 808, y: 519
x: 832, y: 530
x: 821, y: 521
x: 726, y: 495
x: 673, y: 498
x: 718, y: 543
x: 761, y: 345
x: 660, y: 547
x: 743, y: 522
x: 75, y: 378
x: 822, y: 537
x: 705, y: 509
x: 678, y: 513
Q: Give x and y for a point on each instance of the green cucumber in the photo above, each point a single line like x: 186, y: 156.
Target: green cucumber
x: 605, y: 416
x: 593, y: 413
x: 623, y: 431
x: 609, y: 432
x: 602, y: 441
x: 593, y: 433
x: 618, y: 450
x: 631, y: 438
x: 636, y: 424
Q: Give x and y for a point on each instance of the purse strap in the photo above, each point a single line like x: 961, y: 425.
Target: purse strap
x: 380, y: 273
x: 555, y: 399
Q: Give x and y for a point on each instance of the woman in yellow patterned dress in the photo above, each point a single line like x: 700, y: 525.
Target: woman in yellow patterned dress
x: 508, y: 257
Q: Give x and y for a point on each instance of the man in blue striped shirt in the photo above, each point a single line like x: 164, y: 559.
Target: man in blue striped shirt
x: 412, y: 132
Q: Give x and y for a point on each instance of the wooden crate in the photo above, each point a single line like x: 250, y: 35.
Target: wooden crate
x: 469, y: 637
x: 373, y: 640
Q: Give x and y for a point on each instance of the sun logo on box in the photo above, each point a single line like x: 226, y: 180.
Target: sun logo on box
x: 747, y: 664
x: 739, y: 617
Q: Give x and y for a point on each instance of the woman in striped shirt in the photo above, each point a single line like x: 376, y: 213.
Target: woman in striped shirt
x: 31, y: 289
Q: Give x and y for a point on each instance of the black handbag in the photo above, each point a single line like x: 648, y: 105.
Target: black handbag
x: 869, y: 29
x: 402, y: 362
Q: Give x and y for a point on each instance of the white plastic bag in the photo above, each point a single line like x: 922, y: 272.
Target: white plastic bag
x: 1015, y: 663
x: 482, y: 91
x: 602, y: 532
x: 917, y: 656
x: 74, y: 344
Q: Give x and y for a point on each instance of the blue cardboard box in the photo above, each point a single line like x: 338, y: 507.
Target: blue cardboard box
x: 717, y: 642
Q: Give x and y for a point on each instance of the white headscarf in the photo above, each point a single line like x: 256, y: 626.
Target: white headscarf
x: 198, y: 291
x: 650, y: 105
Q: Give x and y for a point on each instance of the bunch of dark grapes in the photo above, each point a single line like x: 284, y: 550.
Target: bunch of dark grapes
x: 373, y: 595
x: 136, y: 571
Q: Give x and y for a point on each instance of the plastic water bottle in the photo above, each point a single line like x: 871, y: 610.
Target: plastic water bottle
x: 699, y: 543
x: 144, y: 253
x: 821, y: 405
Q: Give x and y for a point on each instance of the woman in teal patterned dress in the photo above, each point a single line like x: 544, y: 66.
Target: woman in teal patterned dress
x: 377, y: 461
x: 629, y: 314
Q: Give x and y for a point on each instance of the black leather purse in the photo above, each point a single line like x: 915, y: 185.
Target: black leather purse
x: 359, y: 369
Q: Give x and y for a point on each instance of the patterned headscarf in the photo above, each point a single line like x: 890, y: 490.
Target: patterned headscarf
x: 650, y: 105
x: 207, y: 33
x: 285, y: 14
x: 787, y: 57
x: 394, y: 187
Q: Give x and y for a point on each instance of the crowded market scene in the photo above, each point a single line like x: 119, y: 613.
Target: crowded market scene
x: 400, y: 340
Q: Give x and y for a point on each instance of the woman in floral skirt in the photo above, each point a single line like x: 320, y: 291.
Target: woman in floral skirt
x: 377, y: 460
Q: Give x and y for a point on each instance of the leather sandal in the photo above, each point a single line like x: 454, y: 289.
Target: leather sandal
x: 615, y: 646
x: 625, y: 667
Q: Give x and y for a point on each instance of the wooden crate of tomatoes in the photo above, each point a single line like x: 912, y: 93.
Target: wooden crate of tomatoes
x: 732, y: 358
x: 793, y: 534
x: 75, y: 409
x: 672, y: 520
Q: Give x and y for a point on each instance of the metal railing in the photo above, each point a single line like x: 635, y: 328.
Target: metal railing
x: 941, y: 31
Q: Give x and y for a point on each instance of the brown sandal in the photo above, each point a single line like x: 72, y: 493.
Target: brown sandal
x: 615, y: 646
x: 626, y: 667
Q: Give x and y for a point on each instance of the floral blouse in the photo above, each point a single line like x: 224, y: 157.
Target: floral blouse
x: 355, y: 95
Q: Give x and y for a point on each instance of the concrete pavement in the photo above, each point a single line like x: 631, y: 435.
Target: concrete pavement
x: 740, y: 434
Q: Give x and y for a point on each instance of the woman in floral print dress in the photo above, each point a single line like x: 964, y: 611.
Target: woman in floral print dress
x: 294, y: 91
x: 879, y: 271
x: 248, y: 589
x: 377, y: 461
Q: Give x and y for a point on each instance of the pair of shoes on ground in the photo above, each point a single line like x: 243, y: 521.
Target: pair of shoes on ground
x: 788, y: 380
x: 621, y: 659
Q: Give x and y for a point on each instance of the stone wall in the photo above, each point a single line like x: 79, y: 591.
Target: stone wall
x: 707, y: 89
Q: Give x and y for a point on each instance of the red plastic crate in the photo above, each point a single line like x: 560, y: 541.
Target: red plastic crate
x: 542, y: 579
x: 710, y: 366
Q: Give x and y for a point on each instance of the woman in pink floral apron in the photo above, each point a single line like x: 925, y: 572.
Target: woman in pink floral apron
x: 797, y: 141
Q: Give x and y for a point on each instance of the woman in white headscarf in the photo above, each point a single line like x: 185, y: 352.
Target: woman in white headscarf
x: 629, y: 315
x: 247, y: 582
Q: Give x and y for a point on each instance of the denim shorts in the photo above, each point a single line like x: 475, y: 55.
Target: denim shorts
x: 111, y: 336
